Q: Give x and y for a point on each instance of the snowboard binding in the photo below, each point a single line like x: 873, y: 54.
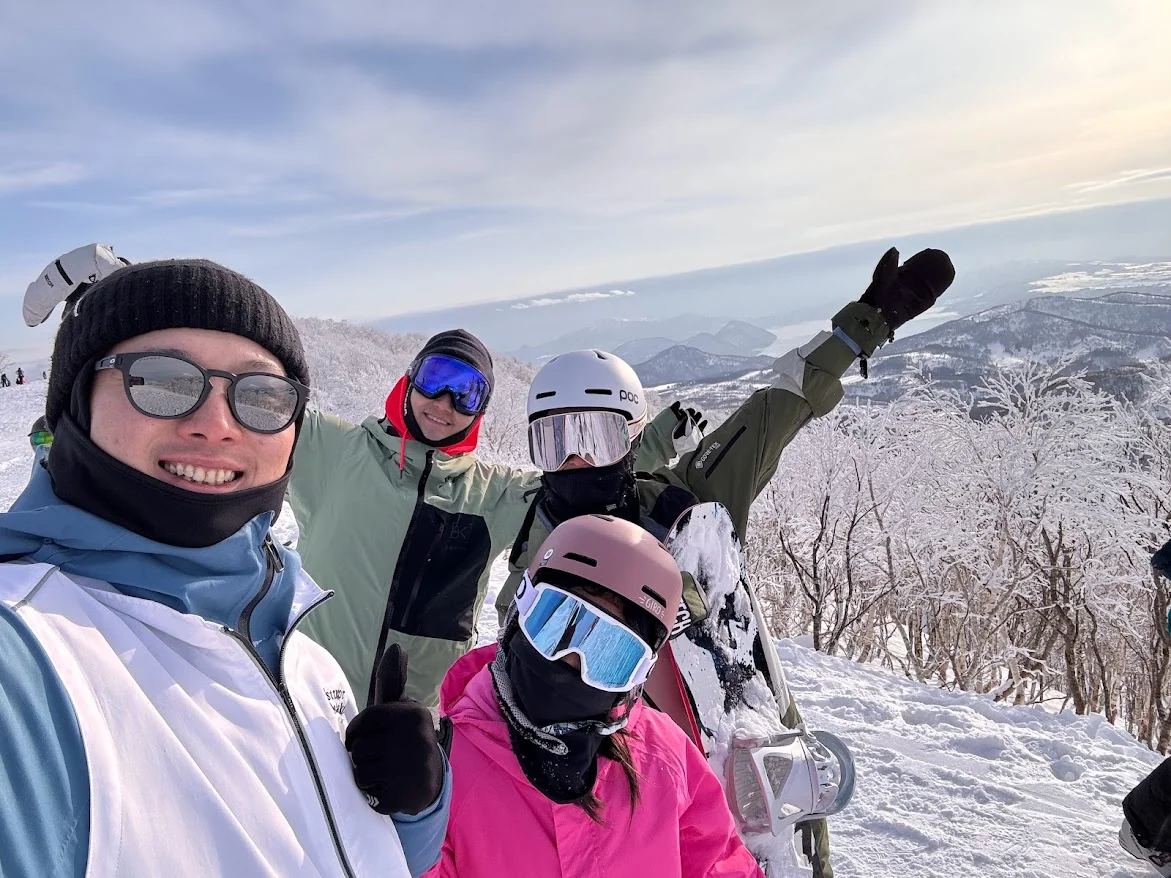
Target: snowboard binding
x: 1160, y: 861
x: 776, y: 782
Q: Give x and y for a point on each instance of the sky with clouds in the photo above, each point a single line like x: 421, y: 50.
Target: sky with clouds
x: 366, y: 157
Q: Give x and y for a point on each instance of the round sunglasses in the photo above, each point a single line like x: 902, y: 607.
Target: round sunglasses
x: 167, y: 386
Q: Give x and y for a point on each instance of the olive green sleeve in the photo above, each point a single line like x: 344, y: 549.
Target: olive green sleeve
x: 318, y: 446
x: 657, y: 448
x: 735, y: 461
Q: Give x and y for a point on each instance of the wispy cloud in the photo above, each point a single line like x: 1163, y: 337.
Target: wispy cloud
x: 18, y: 179
x: 470, y: 151
x: 1128, y: 178
x: 547, y: 301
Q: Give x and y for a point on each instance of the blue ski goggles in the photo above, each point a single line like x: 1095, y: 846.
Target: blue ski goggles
x: 557, y: 623
x: 436, y: 375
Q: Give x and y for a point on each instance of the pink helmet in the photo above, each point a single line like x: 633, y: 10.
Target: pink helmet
x: 619, y: 556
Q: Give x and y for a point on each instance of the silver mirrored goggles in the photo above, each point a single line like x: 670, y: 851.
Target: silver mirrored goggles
x: 600, y: 438
x: 556, y: 623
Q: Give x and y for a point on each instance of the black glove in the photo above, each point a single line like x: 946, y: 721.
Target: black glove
x: 394, y: 746
x: 902, y: 293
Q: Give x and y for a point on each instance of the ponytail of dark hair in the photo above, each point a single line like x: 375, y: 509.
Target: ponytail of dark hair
x: 616, y: 748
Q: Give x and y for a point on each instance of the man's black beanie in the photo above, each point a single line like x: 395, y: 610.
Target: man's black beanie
x: 168, y: 294
x: 459, y: 344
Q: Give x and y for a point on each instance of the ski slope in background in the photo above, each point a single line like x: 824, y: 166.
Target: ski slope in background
x: 950, y: 784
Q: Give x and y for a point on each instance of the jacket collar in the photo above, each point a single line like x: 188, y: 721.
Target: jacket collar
x: 410, y: 456
x: 217, y: 583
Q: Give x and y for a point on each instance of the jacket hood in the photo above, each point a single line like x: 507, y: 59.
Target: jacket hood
x: 395, y: 413
x: 459, y: 677
x: 215, y: 582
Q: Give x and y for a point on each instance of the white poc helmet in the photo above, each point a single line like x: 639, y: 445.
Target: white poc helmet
x: 589, y: 380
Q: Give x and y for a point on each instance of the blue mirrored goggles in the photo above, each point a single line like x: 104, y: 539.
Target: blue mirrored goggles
x: 436, y: 375
x: 613, y: 657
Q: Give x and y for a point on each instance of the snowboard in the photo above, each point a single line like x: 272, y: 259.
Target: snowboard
x: 730, y: 694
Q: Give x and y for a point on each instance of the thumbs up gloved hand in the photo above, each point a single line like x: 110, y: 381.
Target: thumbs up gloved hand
x: 689, y: 431
x: 904, y: 292
x: 394, y: 746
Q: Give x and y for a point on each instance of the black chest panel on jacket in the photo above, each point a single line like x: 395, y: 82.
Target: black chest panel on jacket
x: 672, y: 502
x: 438, y: 574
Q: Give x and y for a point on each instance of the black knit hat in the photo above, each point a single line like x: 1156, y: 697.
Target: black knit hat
x: 169, y: 294
x: 459, y: 344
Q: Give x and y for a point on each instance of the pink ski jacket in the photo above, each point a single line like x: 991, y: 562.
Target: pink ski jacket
x: 501, y: 825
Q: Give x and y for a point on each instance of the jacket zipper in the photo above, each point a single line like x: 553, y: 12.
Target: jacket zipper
x: 719, y: 457
x: 395, y: 581
x: 274, y: 566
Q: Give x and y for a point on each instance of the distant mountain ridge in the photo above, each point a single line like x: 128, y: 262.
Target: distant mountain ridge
x: 683, y: 363
x: 1112, y: 338
x: 630, y: 339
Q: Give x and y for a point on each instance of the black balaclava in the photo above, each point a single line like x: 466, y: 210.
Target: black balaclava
x: 552, y: 694
x: 606, y: 490
x: 459, y: 344
x: 556, y: 721
x: 171, y: 294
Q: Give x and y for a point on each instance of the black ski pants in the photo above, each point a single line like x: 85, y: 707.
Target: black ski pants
x: 1148, y: 808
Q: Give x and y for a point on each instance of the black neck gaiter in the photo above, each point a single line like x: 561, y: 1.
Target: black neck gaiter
x: 85, y: 476
x: 553, y: 692
x: 608, y: 490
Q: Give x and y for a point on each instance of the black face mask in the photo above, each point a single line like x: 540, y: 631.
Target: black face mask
x: 552, y: 692
x: 87, y: 477
x: 592, y: 490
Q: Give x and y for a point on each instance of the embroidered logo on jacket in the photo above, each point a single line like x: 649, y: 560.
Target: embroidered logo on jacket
x: 703, y: 458
x: 338, y: 699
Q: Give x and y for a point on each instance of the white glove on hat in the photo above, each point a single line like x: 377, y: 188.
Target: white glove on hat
x: 64, y: 276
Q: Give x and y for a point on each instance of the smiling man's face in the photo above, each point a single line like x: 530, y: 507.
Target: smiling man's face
x: 207, y: 451
x: 436, y: 417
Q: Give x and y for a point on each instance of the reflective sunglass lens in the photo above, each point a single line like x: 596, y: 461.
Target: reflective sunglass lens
x: 165, y: 386
x: 265, y: 403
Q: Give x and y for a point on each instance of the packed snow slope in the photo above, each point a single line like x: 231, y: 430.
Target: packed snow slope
x: 950, y: 784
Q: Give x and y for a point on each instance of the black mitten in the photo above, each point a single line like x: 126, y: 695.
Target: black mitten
x: 903, y: 293
x: 394, y: 745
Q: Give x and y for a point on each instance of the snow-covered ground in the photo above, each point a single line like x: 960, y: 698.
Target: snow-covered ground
x: 950, y: 784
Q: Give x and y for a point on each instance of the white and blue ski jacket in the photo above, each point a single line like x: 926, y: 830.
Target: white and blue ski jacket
x: 160, y: 714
